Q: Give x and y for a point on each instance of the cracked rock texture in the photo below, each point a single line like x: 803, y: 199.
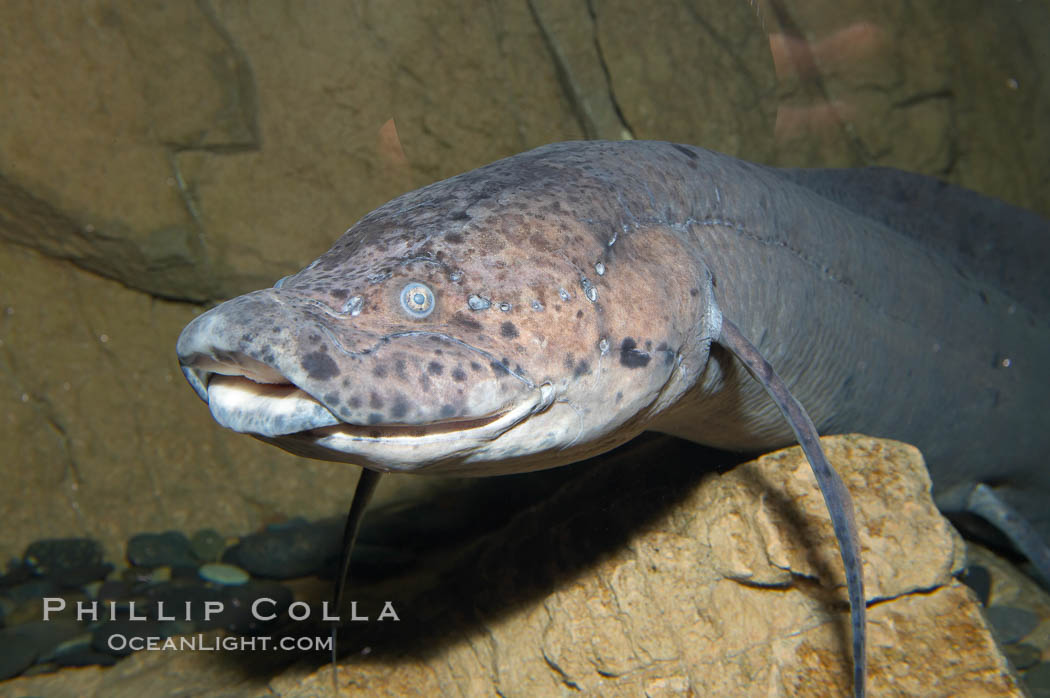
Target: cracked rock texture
x: 682, y: 583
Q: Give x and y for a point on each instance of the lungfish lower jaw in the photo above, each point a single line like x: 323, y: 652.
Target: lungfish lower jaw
x: 252, y: 398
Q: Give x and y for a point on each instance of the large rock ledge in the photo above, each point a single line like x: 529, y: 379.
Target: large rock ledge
x: 628, y: 583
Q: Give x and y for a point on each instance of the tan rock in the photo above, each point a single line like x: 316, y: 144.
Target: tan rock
x: 644, y: 576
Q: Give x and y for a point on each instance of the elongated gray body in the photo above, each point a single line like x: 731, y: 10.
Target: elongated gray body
x: 555, y: 304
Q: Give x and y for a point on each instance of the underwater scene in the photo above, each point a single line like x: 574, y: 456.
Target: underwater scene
x: 525, y: 348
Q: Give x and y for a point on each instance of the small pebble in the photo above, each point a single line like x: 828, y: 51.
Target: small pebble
x: 69, y: 562
x: 1011, y: 624
x: 1022, y: 655
x: 288, y: 552
x: 16, y: 655
x: 33, y: 589
x: 224, y: 574
x: 171, y: 548
x: 979, y: 579
x: 17, y: 573
x: 207, y: 545
x: 88, y: 657
x: 21, y: 645
x: 113, y: 590
x: 74, y: 644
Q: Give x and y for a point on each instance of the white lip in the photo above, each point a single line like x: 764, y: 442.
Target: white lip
x: 288, y: 416
x: 267, y: 409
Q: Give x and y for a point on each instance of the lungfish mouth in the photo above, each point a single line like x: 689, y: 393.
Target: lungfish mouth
x: 253, y: 398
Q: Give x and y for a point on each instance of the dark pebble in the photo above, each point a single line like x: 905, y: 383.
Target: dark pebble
x: 171, y: 548
x: 977, y: 578
x: 1022, y: 655
x: 1038, y: 680
x: 33, y: 589
x: 287, y: 552
x: 21, y: 645
x: 16, y: 655
x: 88, y: 657
x: 69, y: 562
x: 17, y: 573
x: 1011, y: 624
x: 114, y: 590
x: 207, y: 545
x: 75, y: 577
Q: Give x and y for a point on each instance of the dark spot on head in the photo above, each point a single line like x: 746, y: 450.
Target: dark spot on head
x: 684, y: 151
x: 648, y: 345
x: 467, y: 322
x: 581, y: 368
x: 579, y: 314
x: 375, y: 418
x: 399, y: 368
x: 247, y: 337
x: 331, y: 399
x: 354, y: 402
x: 447, y: 411
x: 268, y: 357
x: 319, y: 366
x: 456, y: 238
x: 438, y: 352
x: 694, y: 292
x: 374, y: 401
x: 569, y: 361
x: 497, y: 367
x: 435, y: 368
x: 315, y: 338
x: 400, y: 408
x: 631, y: 356
x: 619, y: 396
x: 475, y: 366
x: 379, y: 371
x: 508, y: 330
x: 459, y: 374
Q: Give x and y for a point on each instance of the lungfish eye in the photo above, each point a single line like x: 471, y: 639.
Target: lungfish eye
x: 417, y: 299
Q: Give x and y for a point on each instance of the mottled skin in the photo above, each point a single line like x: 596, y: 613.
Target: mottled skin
x: 873, y: 331
x: 581, y: 293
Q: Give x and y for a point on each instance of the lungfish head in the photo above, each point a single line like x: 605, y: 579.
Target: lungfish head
x: 516, y: 317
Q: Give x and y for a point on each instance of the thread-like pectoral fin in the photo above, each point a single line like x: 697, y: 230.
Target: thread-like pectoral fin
x: 366, y: 487
x: 836, y: 496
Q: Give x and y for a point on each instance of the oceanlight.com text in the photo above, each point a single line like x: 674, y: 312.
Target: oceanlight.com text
x: 211, y: 643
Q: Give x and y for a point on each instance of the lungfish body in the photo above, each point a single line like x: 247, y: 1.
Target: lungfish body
x: 555, y: 304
